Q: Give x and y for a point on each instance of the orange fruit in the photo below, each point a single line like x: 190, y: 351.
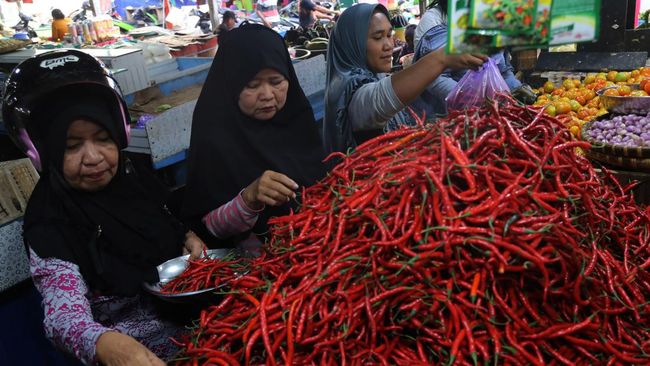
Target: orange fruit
x: 575, y: 131
x: 571, y: 94
x: 577, y: 83
x: 595, y: 102
x: 581, y: 99
x: 639, y: 93
x: 646, y: 88
x: 549, y: 86
x: 562, y: 107
x: 635, y: 73
x: 584, y: 114
x: 568, y: 84
x: 590, y: 78
x: 611, y: 76
x: 643, y: 82
x: 550, y: 110
x: 611, y: 92
x: 624, y: 90
x: 645, y: 71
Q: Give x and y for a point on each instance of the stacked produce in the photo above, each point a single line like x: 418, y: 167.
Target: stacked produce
x: 483, y: 239
x: 575, y: 102
x: 628, y: 130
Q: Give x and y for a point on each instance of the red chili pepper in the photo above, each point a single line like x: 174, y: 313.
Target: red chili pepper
x: 484, y: 238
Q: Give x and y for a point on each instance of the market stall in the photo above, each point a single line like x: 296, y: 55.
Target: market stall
x: 503, y: 233
x: 599, y: 93
x: 487, y: 238
x: 441, y: 243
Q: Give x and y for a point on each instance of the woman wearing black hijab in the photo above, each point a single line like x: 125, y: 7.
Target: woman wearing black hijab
x: 95, y: 228
x: 254, y: 137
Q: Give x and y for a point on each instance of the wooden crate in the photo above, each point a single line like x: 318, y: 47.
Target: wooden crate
x: 17, y: 181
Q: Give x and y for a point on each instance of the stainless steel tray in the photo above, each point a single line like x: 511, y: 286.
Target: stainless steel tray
x: 624, y: 105
x: 170, y: 269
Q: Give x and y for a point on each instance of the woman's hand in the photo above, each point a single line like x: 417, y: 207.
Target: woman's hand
x: 193, y: 245
x: 462, y: 61
x: 409, y: 83
x: 117, y: 349
x: 273, y: 189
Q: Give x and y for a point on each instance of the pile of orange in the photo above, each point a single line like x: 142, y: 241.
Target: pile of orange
x: 626, y: 90
x: 575, y: 102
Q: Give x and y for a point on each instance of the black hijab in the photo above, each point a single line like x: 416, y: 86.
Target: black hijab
x: 118, y: 235
x: 229, y: 150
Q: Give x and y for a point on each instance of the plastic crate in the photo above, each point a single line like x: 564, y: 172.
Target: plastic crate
x: 17, y: 181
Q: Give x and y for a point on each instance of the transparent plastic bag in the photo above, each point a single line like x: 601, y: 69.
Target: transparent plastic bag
x: 477, y: 86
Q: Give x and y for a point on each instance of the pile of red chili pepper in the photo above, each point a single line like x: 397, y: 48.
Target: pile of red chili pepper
x: 204, y: 273
x: 482, y: 239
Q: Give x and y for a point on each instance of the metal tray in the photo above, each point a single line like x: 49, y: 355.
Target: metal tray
x: 170, y: 269
x: 624, y: 105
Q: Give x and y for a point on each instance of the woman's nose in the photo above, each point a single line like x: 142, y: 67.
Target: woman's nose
x: 91, y: 155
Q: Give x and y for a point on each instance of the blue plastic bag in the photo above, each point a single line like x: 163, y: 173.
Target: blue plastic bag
x: 476, y: 86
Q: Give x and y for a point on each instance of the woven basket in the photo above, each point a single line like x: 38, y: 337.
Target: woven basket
x: 634, y: 158
x: 10, y: 45
x: 634, y: 164
x: 17, y: 181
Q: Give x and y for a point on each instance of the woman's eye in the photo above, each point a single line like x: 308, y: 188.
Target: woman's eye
x: 72, y: 146
x: 276, y: 81
x: 103, y: 137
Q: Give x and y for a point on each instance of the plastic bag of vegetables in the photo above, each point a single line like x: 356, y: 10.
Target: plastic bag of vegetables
x: 476, y: 86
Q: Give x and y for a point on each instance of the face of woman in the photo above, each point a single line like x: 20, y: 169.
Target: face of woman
x: 379, y: 47
x: 91, y: 157
x: 265, y: 95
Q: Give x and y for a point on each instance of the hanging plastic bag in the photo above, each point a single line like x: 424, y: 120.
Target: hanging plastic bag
x: 477, y: 86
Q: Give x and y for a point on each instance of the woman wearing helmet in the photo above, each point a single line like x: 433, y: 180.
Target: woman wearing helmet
x: 95, y: 228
